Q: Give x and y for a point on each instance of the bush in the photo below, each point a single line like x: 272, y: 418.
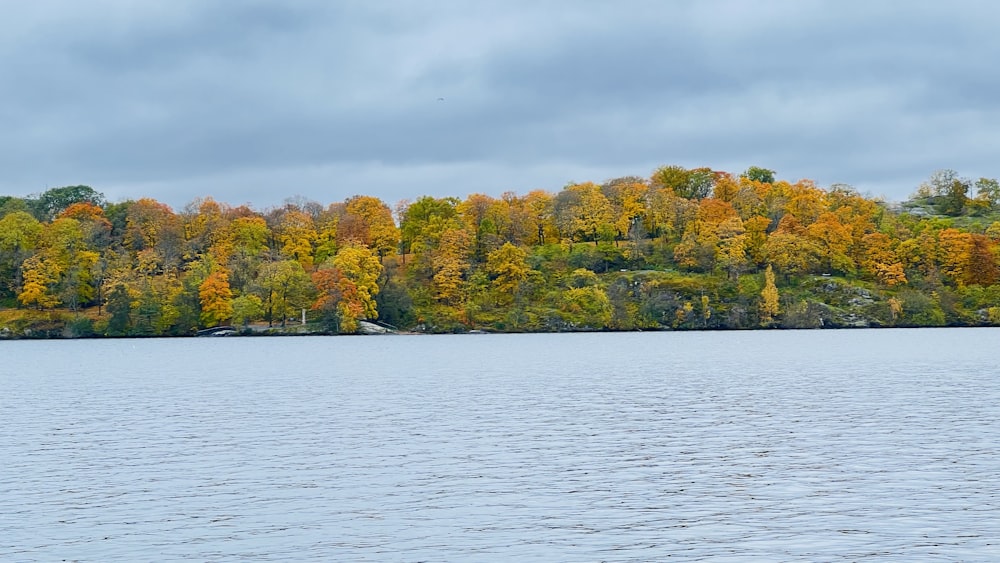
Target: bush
x: 79, y: 327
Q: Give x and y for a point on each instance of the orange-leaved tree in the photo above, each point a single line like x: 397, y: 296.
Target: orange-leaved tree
x: 216, y: 299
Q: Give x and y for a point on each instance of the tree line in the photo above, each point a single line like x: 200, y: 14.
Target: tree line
x: 680, y: 249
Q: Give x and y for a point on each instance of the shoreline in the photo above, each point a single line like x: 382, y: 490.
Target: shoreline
x: 276, y: 332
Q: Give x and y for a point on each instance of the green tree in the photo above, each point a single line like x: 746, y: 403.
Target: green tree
x: 988, y: 190
x: 53, y: 202
x: 119, y: 307
x: 284, y: 288
x: 758, y: 174
x: 247, y: 308
x: 955, y: 198
x: 10, y: 204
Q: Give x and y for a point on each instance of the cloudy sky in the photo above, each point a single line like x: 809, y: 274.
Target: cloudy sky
x: 253, y: 101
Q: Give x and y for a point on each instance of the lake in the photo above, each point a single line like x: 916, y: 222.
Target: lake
x: 722, y: 446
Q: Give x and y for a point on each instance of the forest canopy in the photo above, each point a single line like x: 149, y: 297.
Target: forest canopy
x: 680, y: 249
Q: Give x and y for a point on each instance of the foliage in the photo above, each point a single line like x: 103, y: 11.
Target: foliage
x: 681, y: 249
x: 347, y: 286
x: 769, y: 298
x: 216, y: 299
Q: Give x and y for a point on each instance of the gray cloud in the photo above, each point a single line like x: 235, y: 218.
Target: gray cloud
x: 255, y: 101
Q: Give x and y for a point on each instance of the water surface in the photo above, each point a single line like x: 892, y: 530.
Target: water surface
x: 776, y: 445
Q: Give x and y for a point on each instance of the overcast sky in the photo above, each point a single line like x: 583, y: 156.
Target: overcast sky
x: 255, y: 101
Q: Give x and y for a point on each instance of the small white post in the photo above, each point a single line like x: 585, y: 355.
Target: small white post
x: 303, y: 316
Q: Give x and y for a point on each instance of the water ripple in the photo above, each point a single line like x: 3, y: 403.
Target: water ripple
x: 612, y: 447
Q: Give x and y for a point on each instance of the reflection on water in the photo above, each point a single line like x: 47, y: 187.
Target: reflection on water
x: 834, y: 445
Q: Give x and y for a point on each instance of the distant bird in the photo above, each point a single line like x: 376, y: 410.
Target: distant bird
x: 440, y: 99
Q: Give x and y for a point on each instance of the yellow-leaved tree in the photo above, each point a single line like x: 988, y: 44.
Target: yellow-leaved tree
x: 450, y: 264
x: 38, y: 278
x: 296, y: 233
x: 507, y: 268
x: 377, y: 229
x: 347, y: 285
x: 216, y: 299
x: 769, y: 303
x: 361, y: 266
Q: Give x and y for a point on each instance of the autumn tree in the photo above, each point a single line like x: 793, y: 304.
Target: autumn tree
x: 151, y: 225
x: 732, y: 253
x: 585, y: 307
x: 981, y: 268
x: 95, y: 224
x: 726, y: 187
x: 956, y: 251
x: 750, y: 198
x: 806, y: 202
x: 362, y: 267
x: 204, y: 221
x: 583, y: 213
x: 834, y: 240
x: 507, y: 268
x: 64, y: 246
x: 627, y: 197
x: 347, y: 287
x: 511, y: 219
x: 792, y: 254
x: 769, y: 302
x: 540, y: 212
x: 880, y: 260
x: 919, y: 253
x: 425, y: 220
x: 376, y: 228
x: 19, y: 234
x: 688, y: 184
x: 450, y: 264
x: 295, y: 233
x: 474, y: 212
x: 669, y: 213
x: 39, y: 277
x: 216, y: 299
x: 756, y: 238
x: 698, y: 246
x: 336, y: 299
x: 241, y: 248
